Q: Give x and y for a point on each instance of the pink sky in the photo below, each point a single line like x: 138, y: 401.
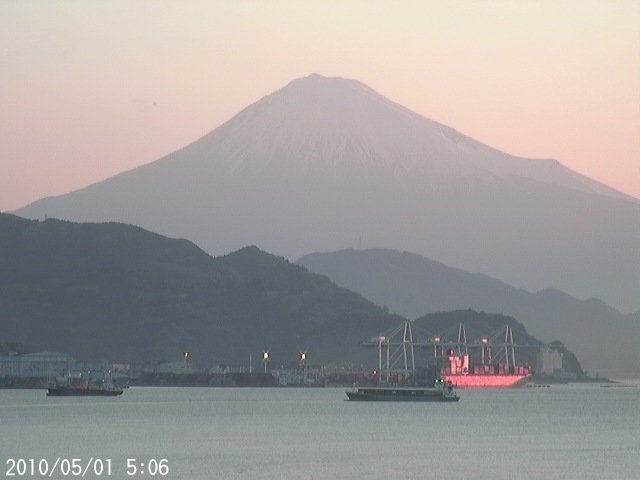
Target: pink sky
x: 90, y: 88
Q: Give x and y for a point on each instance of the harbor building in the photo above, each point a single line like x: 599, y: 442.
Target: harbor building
x: 549, y: 362
x: 35, y: 365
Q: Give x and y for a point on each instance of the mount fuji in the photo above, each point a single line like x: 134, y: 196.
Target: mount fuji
x: 327, y: 163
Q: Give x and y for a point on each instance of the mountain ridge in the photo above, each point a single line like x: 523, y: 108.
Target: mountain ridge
x: 116, y: 291
x: 319, y: 166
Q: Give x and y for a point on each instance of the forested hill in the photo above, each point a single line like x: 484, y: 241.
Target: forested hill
x: 114, y: 291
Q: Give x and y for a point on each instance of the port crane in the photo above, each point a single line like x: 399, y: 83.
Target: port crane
x: 396, y: 346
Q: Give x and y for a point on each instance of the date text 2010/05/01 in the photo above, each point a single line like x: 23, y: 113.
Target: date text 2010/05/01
x: 78, y: 467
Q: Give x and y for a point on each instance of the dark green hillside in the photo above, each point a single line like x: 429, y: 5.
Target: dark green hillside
x: 119, y: 292
x: 476, y: 322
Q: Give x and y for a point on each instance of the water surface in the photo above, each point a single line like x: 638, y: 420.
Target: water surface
x: 562, y: 432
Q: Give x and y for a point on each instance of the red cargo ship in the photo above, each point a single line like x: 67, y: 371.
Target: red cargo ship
x: 462, y: 374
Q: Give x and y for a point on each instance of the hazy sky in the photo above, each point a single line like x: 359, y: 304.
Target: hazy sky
x: 89, y: 89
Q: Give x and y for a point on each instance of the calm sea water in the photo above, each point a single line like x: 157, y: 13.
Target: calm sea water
x: 562, y: 432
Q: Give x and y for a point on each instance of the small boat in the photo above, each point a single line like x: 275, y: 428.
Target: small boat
x: 82, y: 392
x: 85, y: 389
x: 442, y: 391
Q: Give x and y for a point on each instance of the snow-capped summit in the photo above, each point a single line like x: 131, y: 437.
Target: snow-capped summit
x: 342, y: 125
x: 328, y: 163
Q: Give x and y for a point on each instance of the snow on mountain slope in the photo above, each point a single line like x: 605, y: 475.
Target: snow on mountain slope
x: 334, y: 122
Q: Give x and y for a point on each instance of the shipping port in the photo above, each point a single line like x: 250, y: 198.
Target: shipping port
x: 407, y: 355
